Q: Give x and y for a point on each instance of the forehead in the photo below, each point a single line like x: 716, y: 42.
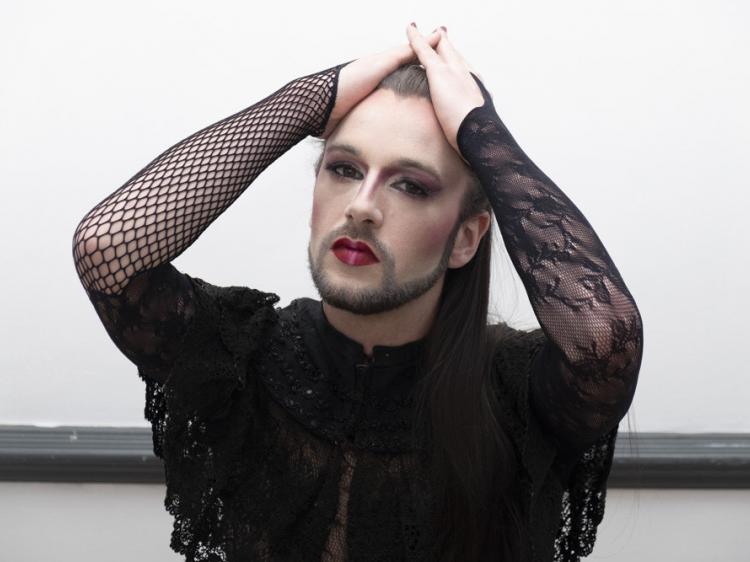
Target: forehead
x: 384, y: 129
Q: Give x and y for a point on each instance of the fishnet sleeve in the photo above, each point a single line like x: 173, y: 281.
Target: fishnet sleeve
x: 123, y: 246
x: 584, y: 376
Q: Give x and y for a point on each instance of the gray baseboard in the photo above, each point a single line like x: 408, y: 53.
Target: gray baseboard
x: 125, y: 455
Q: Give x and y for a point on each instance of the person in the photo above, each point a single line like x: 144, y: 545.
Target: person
x: 388, y: 420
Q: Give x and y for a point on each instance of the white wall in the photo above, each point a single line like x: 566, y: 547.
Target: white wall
x: 122, y: 523
x: 637, y: 111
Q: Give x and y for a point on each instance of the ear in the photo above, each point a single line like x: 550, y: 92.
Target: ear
x: 468, y: 238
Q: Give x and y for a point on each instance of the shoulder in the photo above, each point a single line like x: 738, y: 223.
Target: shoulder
x: 505, y: 334
x: 513, y: 355
x: 238, y: 314
x: 514, y: 350
x: 237, y: 299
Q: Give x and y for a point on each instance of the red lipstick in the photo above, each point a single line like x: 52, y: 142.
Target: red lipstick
x: 353, y: 253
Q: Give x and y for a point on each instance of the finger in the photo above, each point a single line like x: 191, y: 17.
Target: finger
x: 446, y: 49
x: 433, y: 38
x: 425, y: 53
x: 407, y: 54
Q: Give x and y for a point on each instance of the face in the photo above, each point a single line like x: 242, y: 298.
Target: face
x: 390, y: 179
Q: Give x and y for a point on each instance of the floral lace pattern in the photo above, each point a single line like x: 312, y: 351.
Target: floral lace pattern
x: 594, y: 328
x: 588, y: 352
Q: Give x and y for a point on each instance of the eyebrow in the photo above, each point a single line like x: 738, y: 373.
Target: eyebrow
x: 402, y: 162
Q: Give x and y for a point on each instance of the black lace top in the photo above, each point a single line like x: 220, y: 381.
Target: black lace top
x: 281, y: 440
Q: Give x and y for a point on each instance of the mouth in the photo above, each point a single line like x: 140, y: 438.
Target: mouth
x: 353, y: 253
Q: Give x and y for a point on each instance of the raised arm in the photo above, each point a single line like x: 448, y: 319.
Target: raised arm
x: 584, y: 378
x: 165, y: 207
x: 123, y: 246
x: 584, y: 375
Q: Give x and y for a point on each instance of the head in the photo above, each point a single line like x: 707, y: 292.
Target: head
x: 387, y: 176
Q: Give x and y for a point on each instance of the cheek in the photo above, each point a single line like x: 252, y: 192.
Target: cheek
x: 318, y: 214
x: 323, y: 208
x: 436, y: 235
x: 314, y: 214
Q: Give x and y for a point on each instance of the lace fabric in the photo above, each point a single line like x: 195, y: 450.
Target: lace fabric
x: 564, y: 489
x: 257, y: 468
x: 586, y: 356
x: 594, y: 329
x: 252, y: 474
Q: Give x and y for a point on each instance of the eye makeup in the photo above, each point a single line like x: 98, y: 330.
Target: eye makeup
x: 428, y: 175
x: 414, y: 187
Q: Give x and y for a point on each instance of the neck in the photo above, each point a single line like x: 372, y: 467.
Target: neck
x: 392, y: 328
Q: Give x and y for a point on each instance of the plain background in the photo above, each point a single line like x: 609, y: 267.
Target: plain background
x: 637, y: 111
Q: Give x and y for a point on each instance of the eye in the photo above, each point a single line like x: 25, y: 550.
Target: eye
x: 412, y: 189
x: 333, y: 167
x: 419, y: 191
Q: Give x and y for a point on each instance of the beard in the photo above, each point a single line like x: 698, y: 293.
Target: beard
x: 391, y: 293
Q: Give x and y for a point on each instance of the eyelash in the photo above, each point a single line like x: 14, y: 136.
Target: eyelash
x: 423, y: 192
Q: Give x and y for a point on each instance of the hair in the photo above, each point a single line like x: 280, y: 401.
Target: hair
x: 471, y: 459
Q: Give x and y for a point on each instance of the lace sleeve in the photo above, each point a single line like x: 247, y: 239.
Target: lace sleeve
x: 123, y: 246
x: 585, y: 375
x: 148, y: 320
x: 564, y: 491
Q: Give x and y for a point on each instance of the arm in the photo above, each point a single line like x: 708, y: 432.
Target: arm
x: 123, y: 246
x: 166, y: 206
x: 584, y: 378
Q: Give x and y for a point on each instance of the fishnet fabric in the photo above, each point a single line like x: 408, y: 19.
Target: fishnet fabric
x: 163, y: 209
x: 255, y: 462
x: 120, y: 243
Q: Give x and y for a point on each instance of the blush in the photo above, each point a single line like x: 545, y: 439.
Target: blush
x: 314, y: 213
x: 438, y: 235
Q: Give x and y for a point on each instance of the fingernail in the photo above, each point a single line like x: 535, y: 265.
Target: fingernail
x: 444, y: 28
x: 413, y: 24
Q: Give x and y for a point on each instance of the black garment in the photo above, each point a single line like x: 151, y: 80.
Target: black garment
x: 280, y: 440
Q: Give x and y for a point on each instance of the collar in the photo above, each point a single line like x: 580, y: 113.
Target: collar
x: 348, y: 352
x: 326, y: 381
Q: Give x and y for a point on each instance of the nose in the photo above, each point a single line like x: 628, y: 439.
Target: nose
x: 364, y: 206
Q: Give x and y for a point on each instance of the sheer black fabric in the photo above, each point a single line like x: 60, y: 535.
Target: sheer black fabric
x: 281, y: 440
x: 586, y: 375
x: 583, y: 377
x: 165, y: 207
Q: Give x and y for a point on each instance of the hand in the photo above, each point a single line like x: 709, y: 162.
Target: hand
x: 361, y: 76
x: 453, y: 90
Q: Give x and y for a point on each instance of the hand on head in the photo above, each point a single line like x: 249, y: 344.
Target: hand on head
x: 361, y: 76
x: 453, y: 90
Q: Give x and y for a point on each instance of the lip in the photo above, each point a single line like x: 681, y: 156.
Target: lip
x: 353, y: 253
x: 354, y: 245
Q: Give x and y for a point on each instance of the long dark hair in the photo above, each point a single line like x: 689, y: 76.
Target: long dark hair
x: 471, y: 459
